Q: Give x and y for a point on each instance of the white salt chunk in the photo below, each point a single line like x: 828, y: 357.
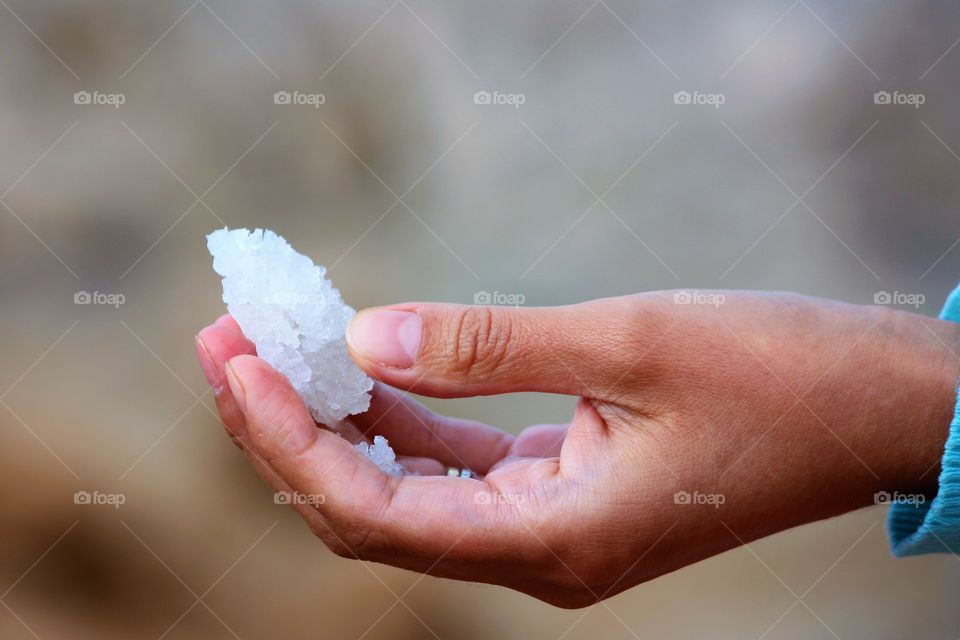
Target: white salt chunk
x: 294, y: 316
x: 381, y: 455
x: 298, y: 322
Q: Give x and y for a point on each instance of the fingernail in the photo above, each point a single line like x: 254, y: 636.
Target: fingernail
x: 237, y: 388
x: 387, y: 337
x: 208, y: 366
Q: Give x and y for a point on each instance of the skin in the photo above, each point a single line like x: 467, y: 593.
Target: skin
x: 786, y: 409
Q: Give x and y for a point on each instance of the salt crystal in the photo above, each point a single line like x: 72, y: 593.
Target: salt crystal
x: 298, y: 321
x: 381, y: 455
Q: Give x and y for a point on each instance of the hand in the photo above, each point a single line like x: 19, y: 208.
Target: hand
x: 700, y: 427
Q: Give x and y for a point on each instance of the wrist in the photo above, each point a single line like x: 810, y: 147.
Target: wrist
x: 916, y: 402
x: 876, y: 420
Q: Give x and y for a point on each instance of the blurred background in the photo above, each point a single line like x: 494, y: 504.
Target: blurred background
x: 560, y: 150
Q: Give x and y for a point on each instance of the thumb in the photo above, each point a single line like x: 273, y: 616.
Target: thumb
x: 448, y: 350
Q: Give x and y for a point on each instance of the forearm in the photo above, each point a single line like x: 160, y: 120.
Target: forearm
x: 835, y: 404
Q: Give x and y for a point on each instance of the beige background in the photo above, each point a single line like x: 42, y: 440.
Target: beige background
x: 493, y: 199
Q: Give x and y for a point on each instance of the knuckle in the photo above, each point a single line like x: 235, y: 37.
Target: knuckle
x: 637, y: 324
x: 479, y: 341
x: 364, y: 542
x: 341, y: 550
x: 335, y: 543
x: 363, y: 530
x: 635, y: 339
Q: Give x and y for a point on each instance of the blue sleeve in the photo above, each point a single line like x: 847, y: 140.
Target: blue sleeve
x: 933, y: 526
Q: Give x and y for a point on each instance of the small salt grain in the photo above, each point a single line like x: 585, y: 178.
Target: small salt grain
x: 381, y: 455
